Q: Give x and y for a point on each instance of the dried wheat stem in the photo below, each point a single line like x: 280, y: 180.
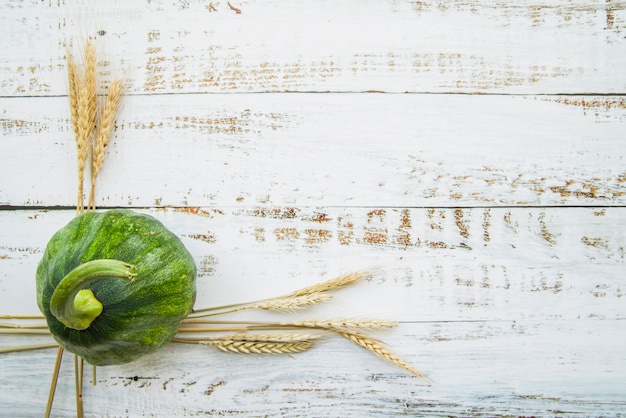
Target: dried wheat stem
x: 321, y: 324
x: 27, y: 348
x: 86, y: 105
x: 78, y: 379
x: 22, y: 317
x: 73, y: 92
x: 53, y: 383
x: 317, y: 291
x: 330, y: 285
x: 290, y: 304
x: 272, y: 343
x: 106, y: 122
x: 24, y: 331
x: 23, y: 326
x: 371, y: 324
x: 280, y: 303
x: 259, y: 347
x: 377, y: 347
x: 270, y: 337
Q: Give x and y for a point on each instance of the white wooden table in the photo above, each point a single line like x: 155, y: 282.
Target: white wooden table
x: 473, y: 152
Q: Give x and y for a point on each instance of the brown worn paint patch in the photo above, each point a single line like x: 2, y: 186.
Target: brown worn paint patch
x: 584, y: 190
x: 595, y: 242
x: 375, y: 236
x: 286, y: 234
x: 155, y: 65
x: 377, y: 213
x: 259, y: 234
x: 274, y: 213
x: 209, y: 391
x: 466, y: 283
x: 461, y: 223
x: 19, y: 126
x: 345, y: 234
x: 545, y: 233
x: 600, y: 212
x: 219, y: 125
x: 237, y: 10
x: 208, y: 238
x: 605, y: 102
x: 404, y: 236
x: 206, y: 266
x: 194, y: 211
x: 405, y: 219
x: 318, y: 217
x: 486, y: 224
x: 460, y: 70
x: 599, y: 291
x: 317, y: 236
x: 432, y: 215
x: 235, y: 123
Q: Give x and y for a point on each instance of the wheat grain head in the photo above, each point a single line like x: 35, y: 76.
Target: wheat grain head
x: 291, y: 303
x: 332, y: 284
x: 377, y: 347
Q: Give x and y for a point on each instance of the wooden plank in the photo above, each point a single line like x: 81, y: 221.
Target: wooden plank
x: 530, y: 46
x: 493, y: 222
x: 327, y: 150
x: 429, y: 264
x: 493, y: 368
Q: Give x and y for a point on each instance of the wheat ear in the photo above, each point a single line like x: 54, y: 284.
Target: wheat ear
x: 262, y: 343
x: 330, y: 324
x: 290, y: 304
x: 331, y: 285
x: 299, y: 298
x: 86, y: 109
x: 72, y: 84
x: 106, y: 122
x: 377, y: 347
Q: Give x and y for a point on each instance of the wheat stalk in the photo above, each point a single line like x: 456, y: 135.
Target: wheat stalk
x: 331, y: 285
x: 85, y: 99
x: 262, y: 343
x: 377, y: 347
x: 290, y: 304
x: 271, y: 337
x: 302, y: 297
x: 72, y: 83
x: 27, y: 348
x: 332, y: 324
x: 106, y: 121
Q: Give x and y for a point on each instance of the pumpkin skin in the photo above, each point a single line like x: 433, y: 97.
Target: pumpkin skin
x: 138, y: 316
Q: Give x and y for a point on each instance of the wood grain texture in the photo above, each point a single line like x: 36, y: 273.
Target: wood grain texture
x: 467, y: 46
x: 511, y: 311
x: 328, y: 150
x: 470, y: 153
x: 499, y: 368
x: 435, y: 264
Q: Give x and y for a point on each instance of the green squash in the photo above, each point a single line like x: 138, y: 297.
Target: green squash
x: 115, y: 285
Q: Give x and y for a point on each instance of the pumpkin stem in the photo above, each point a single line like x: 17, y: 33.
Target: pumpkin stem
x: 76, y: 307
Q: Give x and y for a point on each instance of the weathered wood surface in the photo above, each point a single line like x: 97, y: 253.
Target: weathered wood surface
x: 511, y: 310
x: 532, y: 46
x: 438, y: 264
x: 492, y: 214
x: 328, y: 150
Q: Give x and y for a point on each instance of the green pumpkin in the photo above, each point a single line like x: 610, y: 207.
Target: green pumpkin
x: 115, y: 285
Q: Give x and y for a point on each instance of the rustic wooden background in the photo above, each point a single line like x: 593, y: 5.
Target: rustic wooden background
x: 473, y: 152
